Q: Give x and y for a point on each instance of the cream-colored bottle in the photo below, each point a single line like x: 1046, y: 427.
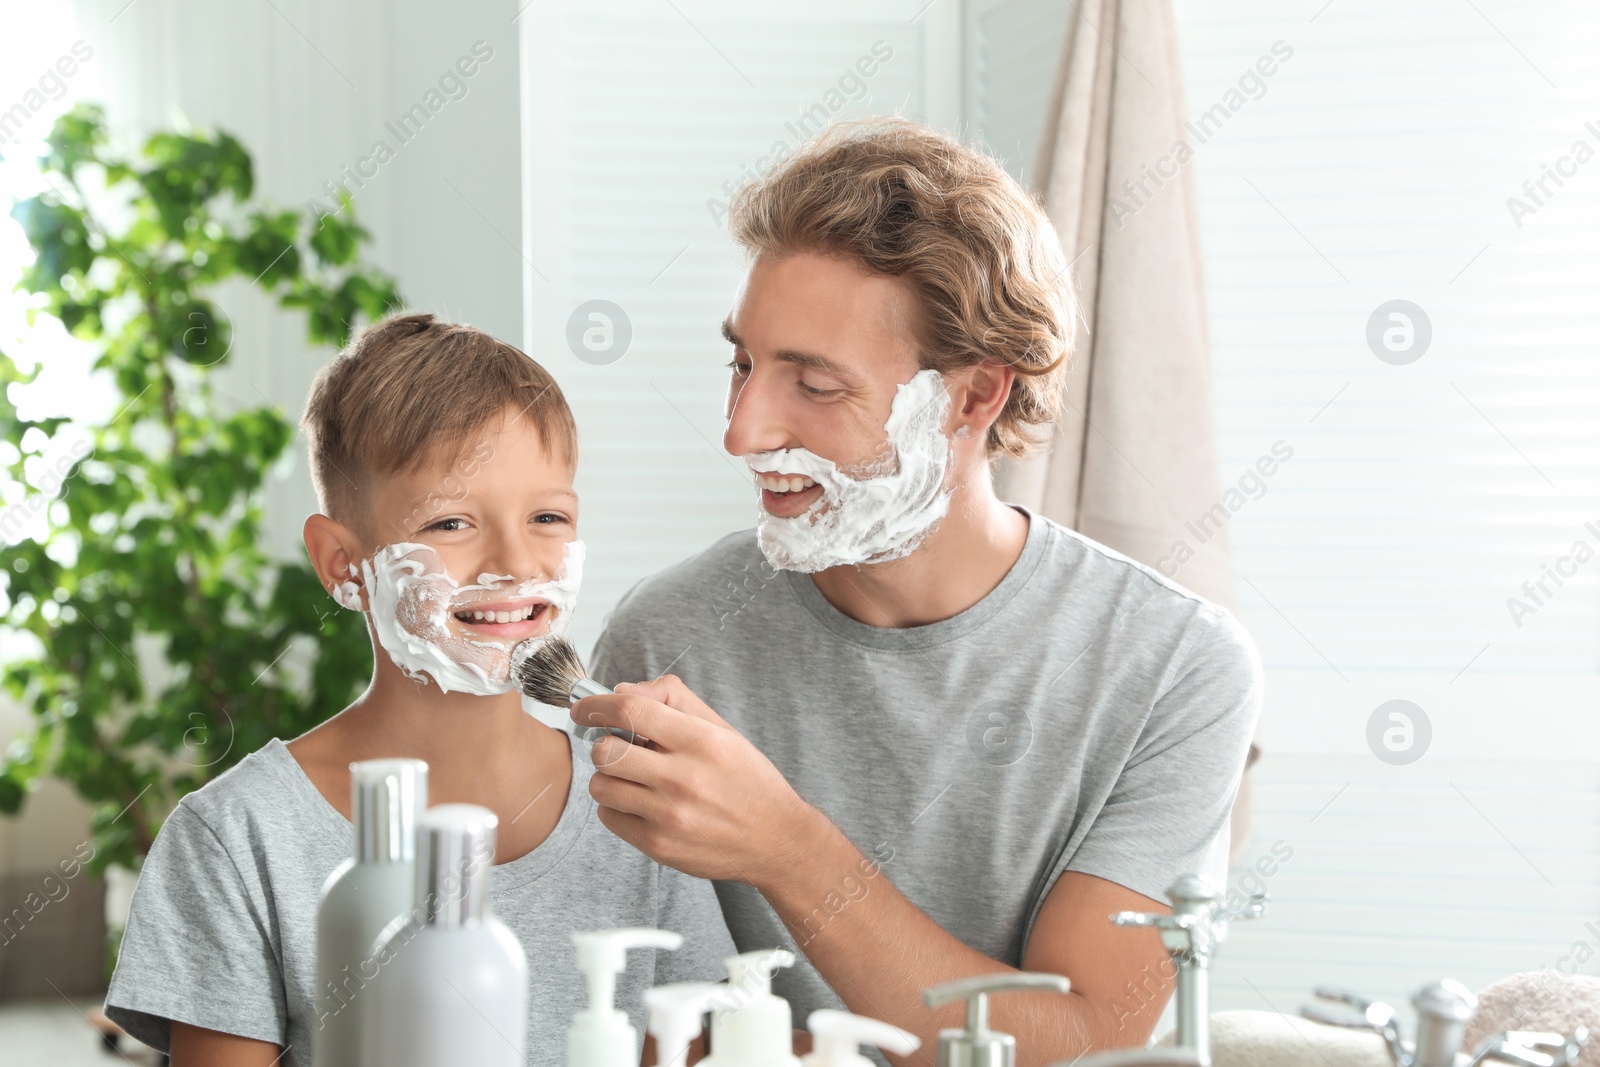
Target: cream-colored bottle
x: 362, y: 896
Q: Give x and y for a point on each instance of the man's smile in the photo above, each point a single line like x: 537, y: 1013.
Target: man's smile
x: 786, y: 495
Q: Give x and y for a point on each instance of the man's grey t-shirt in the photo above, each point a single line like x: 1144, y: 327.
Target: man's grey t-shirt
x: 222, y: 934
x: 1086, y: 715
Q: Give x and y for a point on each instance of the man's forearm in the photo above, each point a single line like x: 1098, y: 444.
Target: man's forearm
x: 879, y: 952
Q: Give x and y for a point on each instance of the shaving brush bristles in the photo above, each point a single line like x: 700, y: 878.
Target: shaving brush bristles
x: 550, y: 671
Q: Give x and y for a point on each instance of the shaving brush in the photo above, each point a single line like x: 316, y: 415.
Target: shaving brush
x: 554, y: 674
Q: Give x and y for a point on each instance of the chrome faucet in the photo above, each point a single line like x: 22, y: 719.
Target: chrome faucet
x: 1197, y: 926
x: 1443, y: 1011
x: 1194, y: 931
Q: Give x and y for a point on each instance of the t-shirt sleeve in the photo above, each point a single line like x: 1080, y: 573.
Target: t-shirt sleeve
x: 688, y: 906
x: 196, y: 949
x: 1168, y: 812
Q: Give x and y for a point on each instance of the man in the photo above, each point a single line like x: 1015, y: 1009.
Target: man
x: 950, y: 737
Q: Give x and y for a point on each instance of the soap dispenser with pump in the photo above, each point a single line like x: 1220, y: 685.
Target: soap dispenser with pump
x: 754, y: 1028
x: 675, y: 1013
x: 601, y: 1035
x: 837, y: 1037
x: 976, y: 1045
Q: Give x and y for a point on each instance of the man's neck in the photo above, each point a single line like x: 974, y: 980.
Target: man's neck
x: 968, y: 553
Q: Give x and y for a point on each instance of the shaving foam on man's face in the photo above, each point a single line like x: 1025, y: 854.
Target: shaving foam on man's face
x: 870, y: 513
x: 464, y: 637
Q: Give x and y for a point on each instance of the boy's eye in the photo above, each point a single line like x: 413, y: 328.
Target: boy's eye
x: 550, y: 518
x: 444, y: 526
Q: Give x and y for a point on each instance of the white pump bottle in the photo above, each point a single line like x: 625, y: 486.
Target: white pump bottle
x: 837, y: 1037
x: 675, y: 1012
x: 601, y: 1035
x: 755, y: 1028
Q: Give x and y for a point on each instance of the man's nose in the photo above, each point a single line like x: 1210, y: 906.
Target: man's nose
x: 754, y: 424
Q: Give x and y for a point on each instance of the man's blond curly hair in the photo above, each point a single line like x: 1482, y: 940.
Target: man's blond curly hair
x: 984, y: 262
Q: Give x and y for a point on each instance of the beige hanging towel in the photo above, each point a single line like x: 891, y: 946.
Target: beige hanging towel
x: 1133, y: 462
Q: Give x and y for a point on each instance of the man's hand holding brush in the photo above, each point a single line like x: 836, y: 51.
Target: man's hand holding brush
x: 703, y: 800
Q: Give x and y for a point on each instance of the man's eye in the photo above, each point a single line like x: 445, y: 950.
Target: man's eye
x: 738, y: 367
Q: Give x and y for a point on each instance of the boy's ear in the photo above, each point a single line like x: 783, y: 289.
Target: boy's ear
x: 334, y: 550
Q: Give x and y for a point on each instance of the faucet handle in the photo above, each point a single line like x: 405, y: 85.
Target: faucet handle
x: 1254, y: 908
x: 1375, y: 1016
x: 1146, y: 918
x: 1525, y: 1047
x: 1182, y: 934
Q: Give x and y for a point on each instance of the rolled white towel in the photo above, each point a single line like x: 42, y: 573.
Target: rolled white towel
x: 1269, y: 1039
x: 1540, y: 1000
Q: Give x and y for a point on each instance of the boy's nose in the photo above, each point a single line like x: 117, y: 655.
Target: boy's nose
x: 515, y: 554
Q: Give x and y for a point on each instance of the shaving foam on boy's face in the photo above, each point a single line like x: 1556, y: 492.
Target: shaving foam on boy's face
x: 432, y: 625
x: 870, y: 513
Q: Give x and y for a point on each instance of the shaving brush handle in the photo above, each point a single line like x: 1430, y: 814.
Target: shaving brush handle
x: 588, y: 687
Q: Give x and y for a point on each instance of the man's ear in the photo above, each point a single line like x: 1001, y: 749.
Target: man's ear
x: 335, y: 550
x: 977, y: 396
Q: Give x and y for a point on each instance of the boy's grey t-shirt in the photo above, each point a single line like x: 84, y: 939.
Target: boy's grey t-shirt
x: 1086, y: 715
x: 222, y: 934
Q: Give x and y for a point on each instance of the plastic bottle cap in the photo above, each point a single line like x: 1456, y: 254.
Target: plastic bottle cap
x: 387, y: 796
x: 675, y: 1012
x: 837, y: 1037
x: 455, y: 853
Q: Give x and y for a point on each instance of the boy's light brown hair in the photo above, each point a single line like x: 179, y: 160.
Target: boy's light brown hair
x: 412, y: 390
x: 983, y: 260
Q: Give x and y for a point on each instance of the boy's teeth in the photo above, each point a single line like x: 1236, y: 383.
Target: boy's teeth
x: 504, y: 616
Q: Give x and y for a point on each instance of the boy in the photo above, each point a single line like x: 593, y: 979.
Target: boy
x: 443, y: 461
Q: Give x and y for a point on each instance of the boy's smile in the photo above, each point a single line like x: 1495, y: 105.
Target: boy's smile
x: 505, y: 620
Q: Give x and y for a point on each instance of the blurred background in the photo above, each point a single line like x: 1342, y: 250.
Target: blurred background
x: 1427, y: 535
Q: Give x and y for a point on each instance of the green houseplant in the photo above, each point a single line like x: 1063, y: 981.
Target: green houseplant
x: 161, y: 623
